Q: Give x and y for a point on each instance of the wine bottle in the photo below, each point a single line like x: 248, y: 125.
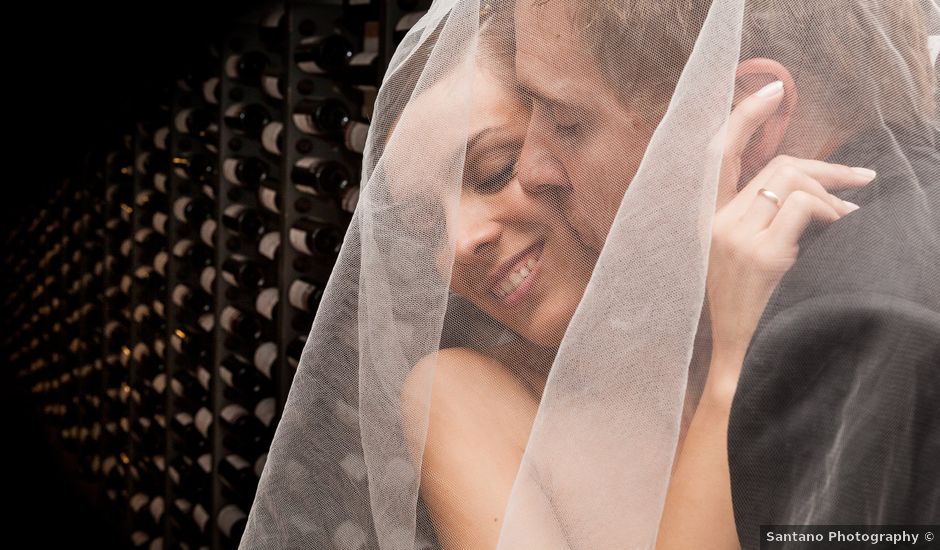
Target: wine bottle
x: 243, y: 273
x: 328, y: 117
x: 207, y: 279
x: 207, y: 232
x: 315, y: 239
x: 200, y: 122
x: 245, y: 326
x: 272, y: 138
x: 193, y: 479
x: 150, y: 162
x: 192, y: 210
x: 193, y: 388
x: 364, y: 69
x: 247, y: 67
x: 232, y: 521
x: 274, y: 84
x: 155, y: 219
x: 151, y: 281
x: 266, y: 303
x: 323, y: 54
x: 319, y: 177
x: 193, y: 432
x: 151, y: 200
x: 210, y: 90
x: 264, y: 357
x: 244, y: 378
x: 160, y: 137
x: 355, y: 135
x: 238, y: 479
x: 269, y: 244
x: 259, y: 464
x: 294, y: 350
x: 269, y: 197
x: 197, y: 167
x: 149, y: 242
x: 246, y: 432
x: 141, y: 519
x: 193, y: 254
x: 192, y: 300
x: 159, y: 181
x: 115, y: 298
x: 190, y: 343
x: 305, y: 295
x: 249, y: 119
x: 243, y: 221
x: 349, y: 199
x: 192, y: 520
x: 273, y: 29
x: 149, y: 364
x: 246, y: 172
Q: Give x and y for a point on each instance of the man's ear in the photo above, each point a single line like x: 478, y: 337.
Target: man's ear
x: 752, y: 75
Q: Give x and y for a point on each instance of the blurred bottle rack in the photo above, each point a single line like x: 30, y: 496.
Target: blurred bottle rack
x: 160, y: 301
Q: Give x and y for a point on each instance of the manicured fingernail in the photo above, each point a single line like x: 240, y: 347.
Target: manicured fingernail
x: 853, y: 207
x: 865, y: 173
x: 771, y: 89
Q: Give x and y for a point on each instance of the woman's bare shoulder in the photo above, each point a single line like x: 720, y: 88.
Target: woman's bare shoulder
x: 462, y: 385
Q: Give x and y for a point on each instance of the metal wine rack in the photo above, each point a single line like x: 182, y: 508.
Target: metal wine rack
x: 95, y: 329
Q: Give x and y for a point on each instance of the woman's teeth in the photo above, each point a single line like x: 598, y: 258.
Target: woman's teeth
x: 511, y: 282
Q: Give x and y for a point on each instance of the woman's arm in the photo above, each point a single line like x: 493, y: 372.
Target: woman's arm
x: 698, y: 512
x: 478, y: 426
x: 755, y: 240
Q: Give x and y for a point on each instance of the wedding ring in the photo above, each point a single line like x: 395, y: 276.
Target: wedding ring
x: 770, y: 196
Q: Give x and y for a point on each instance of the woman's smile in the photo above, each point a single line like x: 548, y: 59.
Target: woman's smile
x: 517, y: 275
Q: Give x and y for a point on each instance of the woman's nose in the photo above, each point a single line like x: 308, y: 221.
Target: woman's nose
x: 476, y: 239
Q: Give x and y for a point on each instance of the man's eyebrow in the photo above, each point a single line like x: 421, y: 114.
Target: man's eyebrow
x: 531, y: 94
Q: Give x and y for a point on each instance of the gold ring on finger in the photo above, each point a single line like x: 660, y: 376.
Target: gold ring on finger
x: 770, y: 196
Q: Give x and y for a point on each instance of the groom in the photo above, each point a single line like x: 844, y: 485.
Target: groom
x: 835, y: 417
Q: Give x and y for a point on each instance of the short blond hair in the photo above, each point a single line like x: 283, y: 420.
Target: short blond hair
x: 847, y: 55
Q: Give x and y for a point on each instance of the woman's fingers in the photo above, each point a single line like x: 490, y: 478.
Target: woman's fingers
x: 794, y: 216
x: 759, y: 214
x: 762, y: 209
x: 784, y: 175
x: 733, y: 137
x: 830, y: 176
x: 749, y: 114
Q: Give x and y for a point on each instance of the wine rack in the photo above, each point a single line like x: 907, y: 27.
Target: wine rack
x: 159, y: 302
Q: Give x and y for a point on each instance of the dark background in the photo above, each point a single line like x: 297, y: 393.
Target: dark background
x: 73, y: 73
x: 75, y: 70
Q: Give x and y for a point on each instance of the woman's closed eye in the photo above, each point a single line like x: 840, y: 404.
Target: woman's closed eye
x: 491, y: 168
x: 495, y: 181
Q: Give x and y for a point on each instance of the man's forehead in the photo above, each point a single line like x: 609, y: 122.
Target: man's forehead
x: 545, y: 26
x: 551, y: 60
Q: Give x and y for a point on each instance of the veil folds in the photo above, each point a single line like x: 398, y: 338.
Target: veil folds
x: 836, y: 405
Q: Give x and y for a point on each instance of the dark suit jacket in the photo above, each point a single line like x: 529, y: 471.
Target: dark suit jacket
x: 836, y: 419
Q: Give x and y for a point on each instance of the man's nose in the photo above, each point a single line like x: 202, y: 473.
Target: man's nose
x: 539, y: 171
x: 476, y: 239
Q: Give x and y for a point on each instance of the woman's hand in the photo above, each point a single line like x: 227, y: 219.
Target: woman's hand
x: 757, y: 229
x: 755, y: 240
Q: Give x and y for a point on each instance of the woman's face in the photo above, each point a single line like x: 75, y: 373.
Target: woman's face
x: 515, y: 257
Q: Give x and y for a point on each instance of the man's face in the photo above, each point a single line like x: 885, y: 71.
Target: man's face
x: 582, y: 143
